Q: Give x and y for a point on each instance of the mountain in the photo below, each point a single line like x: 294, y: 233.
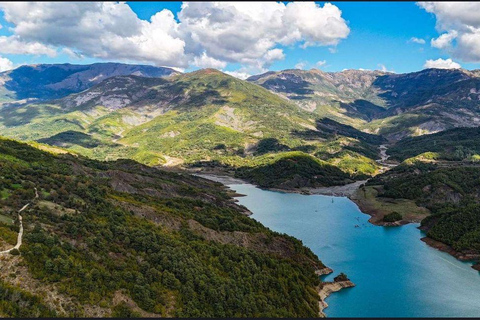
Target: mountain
x: 194, y: 119
x: 393, y: 105
x: 122, y: 239
x: 51, y: 81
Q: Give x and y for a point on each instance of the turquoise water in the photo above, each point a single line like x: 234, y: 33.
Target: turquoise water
x: 396, y: 274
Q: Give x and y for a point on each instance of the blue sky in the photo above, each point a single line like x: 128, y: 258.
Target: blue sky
x: 379, y: 37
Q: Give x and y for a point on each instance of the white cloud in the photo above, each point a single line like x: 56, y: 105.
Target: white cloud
x: 273, y: 55
x: 5, y: 64
x: 384, y: 69
x: 441, y: 64
x: 72, y: 54
x: 417, y: 40
x: 238, y: 74
x: 454, y: 15
x: 248, y: 33
x: 104, y: 30
x: 316, y: 25
x: 459, y: 21
x: 206, y: 34
x: 301, y: 65
x: 320, y: 63
x: 14, y: 45
x: 444, y: 41
x: 205, y: 61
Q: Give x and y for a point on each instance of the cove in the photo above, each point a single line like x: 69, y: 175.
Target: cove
x: 396, y: 274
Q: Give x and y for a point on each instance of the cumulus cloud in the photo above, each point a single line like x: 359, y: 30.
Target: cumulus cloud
x: 316, y: 25
x: 417, y: 40
x: 441, y: 64
x: 247, y: 32
x: 205, y: 61
x: 384, y: 68
x: 104, y: 30
x: 459, y: 25
x: 238, y: 74
x: 14, y: 45
x: 444, y: 41
x: 72, y: 54
x: 5, y: 64
x: 206, y: 34
x: 301, y: 65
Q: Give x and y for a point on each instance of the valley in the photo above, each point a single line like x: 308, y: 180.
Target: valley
x: 128, y: 222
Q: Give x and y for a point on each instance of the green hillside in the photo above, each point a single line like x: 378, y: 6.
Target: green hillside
x: 455, y: 144
x: 449, y: 192
x: 293, y: 170
x: 122, y: 239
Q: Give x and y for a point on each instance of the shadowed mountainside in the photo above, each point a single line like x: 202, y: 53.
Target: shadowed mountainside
x: 51, y: 81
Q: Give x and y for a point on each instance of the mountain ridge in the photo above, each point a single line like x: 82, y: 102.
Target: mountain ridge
x: 51, y: 81
x: 381, y: 102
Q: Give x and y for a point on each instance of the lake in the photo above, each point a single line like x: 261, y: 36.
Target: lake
x: 396, y: 274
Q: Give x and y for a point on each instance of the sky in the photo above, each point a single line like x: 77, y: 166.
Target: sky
x: 244, y: 38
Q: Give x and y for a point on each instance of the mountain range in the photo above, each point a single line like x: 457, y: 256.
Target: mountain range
x: 159, y: 116
x: 392, y: 105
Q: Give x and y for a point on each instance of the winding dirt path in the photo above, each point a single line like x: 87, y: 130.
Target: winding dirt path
x: 384, y: 158
x: 20, y: 219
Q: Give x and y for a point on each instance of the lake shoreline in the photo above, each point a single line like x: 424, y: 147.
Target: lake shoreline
x: 461, y: 256
x: 349, y: 191
x: 376, y: 214
x: 326, y: 227
x: 326, y: 289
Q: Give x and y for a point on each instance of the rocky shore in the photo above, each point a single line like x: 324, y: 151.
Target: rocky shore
x: 324, y: 271
x: 327, y: 288
x: 336, y: 191
x: 462, y: 256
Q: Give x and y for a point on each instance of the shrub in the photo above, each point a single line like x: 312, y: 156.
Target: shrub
x: 392, y: 217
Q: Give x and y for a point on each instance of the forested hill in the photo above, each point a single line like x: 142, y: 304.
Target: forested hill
x: 123, y: 239
x: 457, y: 144
x: 450, y: 192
